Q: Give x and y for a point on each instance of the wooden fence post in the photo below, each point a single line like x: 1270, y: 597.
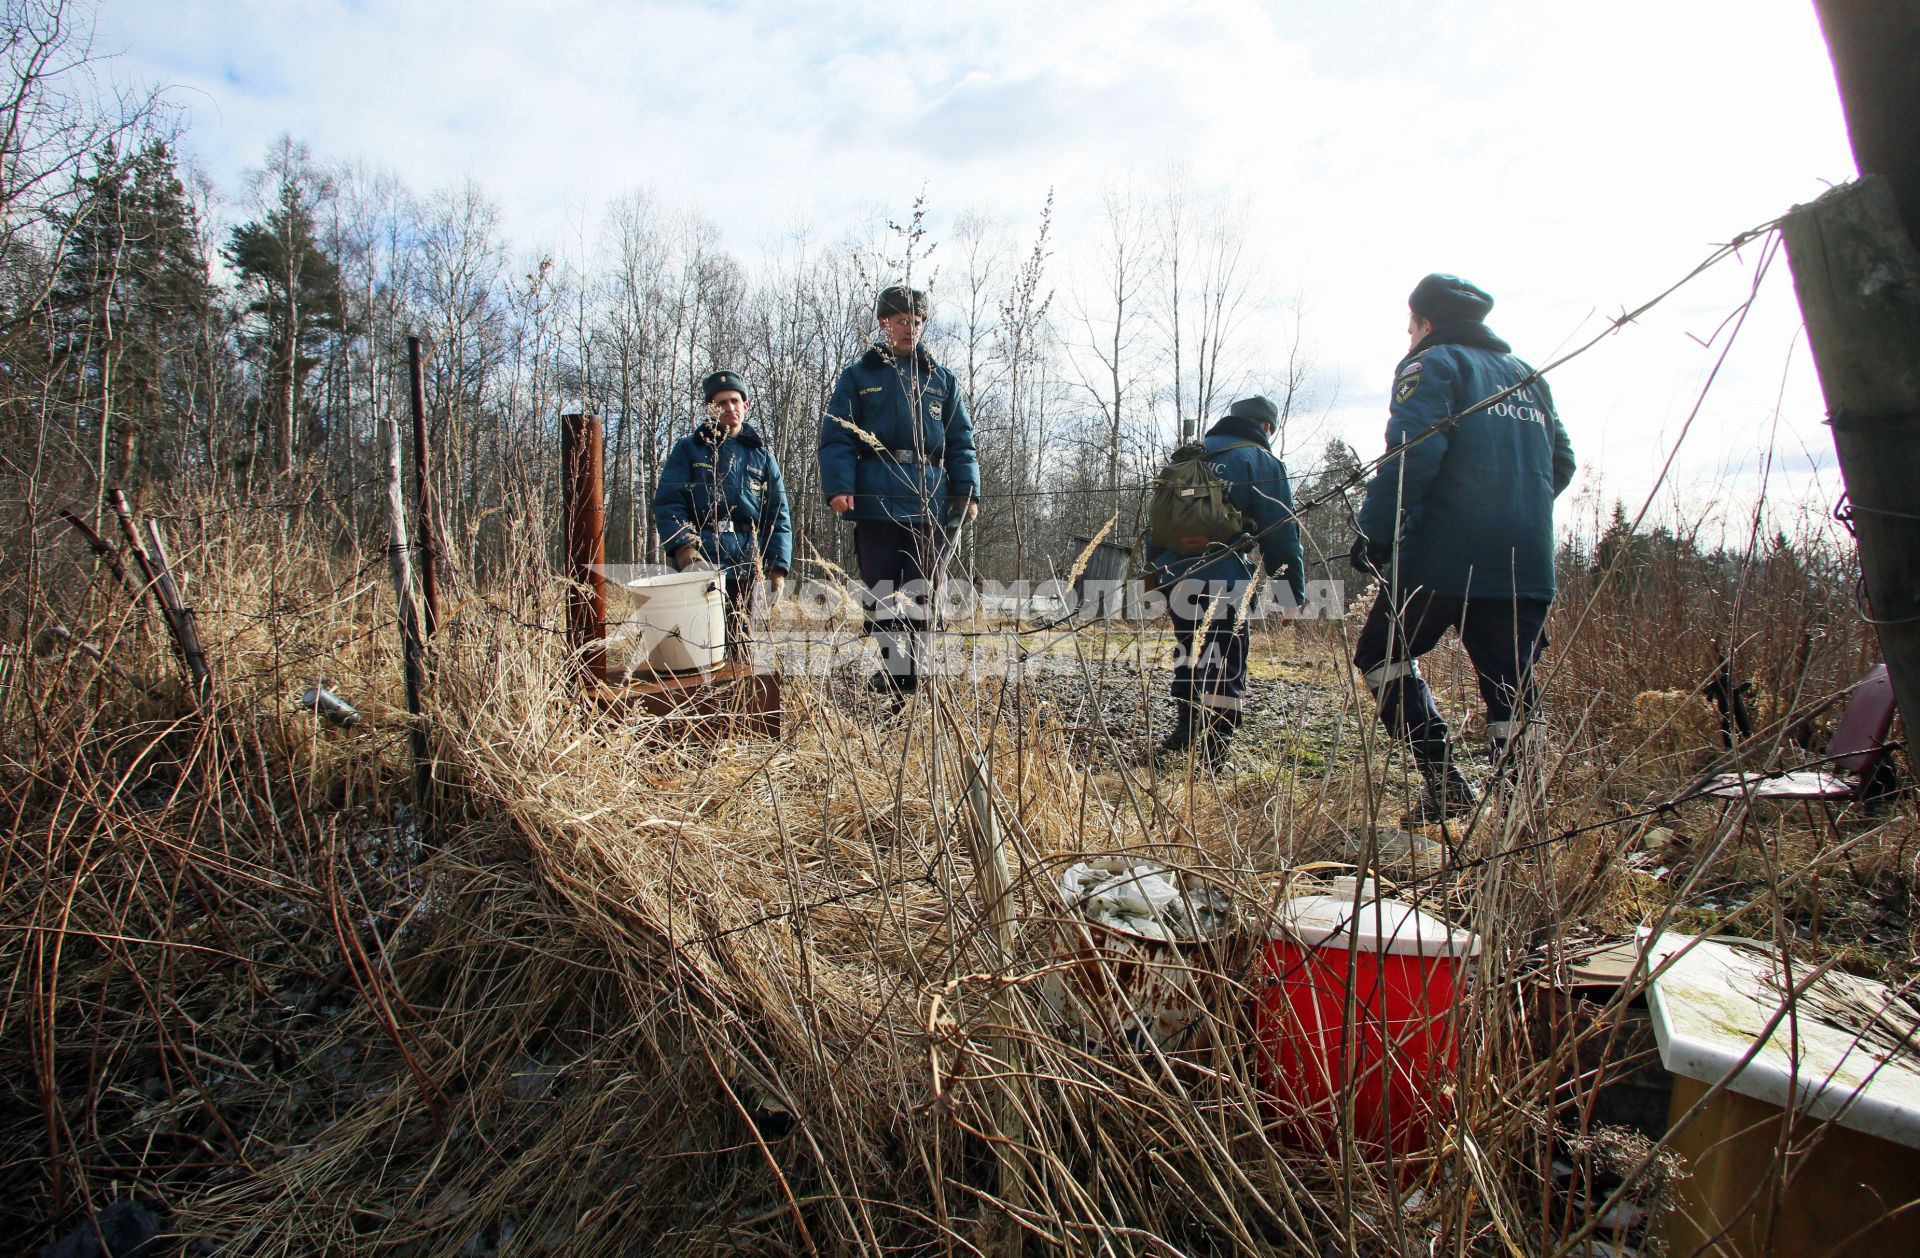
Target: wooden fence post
x: 423, y: 490
x: 1858, y: 279
x: 994, y: 880
x: 159, y: 582
x: 412, y: 642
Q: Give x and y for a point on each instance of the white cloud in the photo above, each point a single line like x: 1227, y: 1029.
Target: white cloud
x: 1571, y: 159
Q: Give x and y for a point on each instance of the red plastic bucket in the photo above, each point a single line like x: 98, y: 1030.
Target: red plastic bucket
x: 1390, y: 1053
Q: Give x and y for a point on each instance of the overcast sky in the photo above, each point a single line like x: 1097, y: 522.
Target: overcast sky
x: 1573, y: 159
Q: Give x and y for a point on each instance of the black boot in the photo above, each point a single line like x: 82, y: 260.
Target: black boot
x: 1504, y: 781
x: 896, y: 678
x: 1447, y: 795
x: 1176, y: 742
x: 1217, y: 738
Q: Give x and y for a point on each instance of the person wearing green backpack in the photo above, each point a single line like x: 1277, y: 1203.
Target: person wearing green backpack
x: 1221, y: 511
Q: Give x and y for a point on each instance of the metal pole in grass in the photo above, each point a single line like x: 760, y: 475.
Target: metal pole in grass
x: 583, y: 507
x: 399, y: 561
x: 1855, y: 255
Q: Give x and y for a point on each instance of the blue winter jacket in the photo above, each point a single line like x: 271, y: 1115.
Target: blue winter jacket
x: 1257, y: 487
x: 706, y: 481
x: 1474, y: 500
x: 921, y: 450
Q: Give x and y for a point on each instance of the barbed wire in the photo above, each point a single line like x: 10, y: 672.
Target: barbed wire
x: 1349, y: 479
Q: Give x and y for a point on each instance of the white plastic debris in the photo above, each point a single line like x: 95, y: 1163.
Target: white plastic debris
x: 1143, y: 898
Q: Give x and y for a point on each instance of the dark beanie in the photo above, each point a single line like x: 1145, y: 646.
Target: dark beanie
x: 1258, y: 408
x: 899, y: 299
x: 720, y: 382
x: 1449, y: 299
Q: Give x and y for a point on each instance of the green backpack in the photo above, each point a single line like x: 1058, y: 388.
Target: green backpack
x: 1188, y: 510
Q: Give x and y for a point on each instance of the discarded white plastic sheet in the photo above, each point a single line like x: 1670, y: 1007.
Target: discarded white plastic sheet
x: 1131, y: 964
x: 1144, y: 898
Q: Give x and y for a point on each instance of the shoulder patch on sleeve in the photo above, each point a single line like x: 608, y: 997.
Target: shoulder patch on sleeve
x: 1408, y: 382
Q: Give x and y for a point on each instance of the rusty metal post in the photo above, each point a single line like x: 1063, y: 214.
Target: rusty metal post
x: 423, y: 490
x: 583, y: 511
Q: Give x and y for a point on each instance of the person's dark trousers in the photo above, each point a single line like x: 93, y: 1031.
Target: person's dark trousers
x: 893, y: 557
x: 1209, y: 669
x: 1503, y: 637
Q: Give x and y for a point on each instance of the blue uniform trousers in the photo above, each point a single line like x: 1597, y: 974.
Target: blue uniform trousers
x: 1209, y: 669
x: 1503, y: 638
x: 895, y: 558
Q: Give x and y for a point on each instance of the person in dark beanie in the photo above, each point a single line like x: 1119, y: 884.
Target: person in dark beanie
x: 721, y: 498
x: 1458, y: 528
x: 1207, y: 586
x: 897, y: 460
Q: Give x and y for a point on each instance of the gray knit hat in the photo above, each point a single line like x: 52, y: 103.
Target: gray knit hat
x: 1258, y: 408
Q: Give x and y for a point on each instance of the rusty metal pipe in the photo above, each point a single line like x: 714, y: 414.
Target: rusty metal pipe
x: 584, y: 516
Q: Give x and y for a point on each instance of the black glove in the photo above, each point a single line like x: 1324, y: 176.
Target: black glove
x: 1368, y: 557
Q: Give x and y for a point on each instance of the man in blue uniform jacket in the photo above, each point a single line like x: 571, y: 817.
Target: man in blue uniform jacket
x: 897, y: 459
x: 1458, y: 526
x: 1207, y: 592
x: 721, y: 498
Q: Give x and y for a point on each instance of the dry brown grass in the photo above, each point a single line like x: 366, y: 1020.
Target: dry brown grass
x: 622, y: 994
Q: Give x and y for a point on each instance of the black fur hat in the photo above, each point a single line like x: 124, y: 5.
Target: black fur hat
x: 720, y: 382
x: 899, y: 299
x: 1449, y: 299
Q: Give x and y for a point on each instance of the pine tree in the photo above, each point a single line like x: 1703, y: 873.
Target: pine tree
x: 293, y: 294
x: 130, y: 296
x: 1620, y: 547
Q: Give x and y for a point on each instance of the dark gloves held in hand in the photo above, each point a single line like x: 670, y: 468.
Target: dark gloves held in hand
x: 1368, y: 556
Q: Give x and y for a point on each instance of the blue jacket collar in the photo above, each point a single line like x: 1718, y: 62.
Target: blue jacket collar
x: 707, y: 435
x: 878, y: 356
x: 1240, y: 429
x: 1472, y: 335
